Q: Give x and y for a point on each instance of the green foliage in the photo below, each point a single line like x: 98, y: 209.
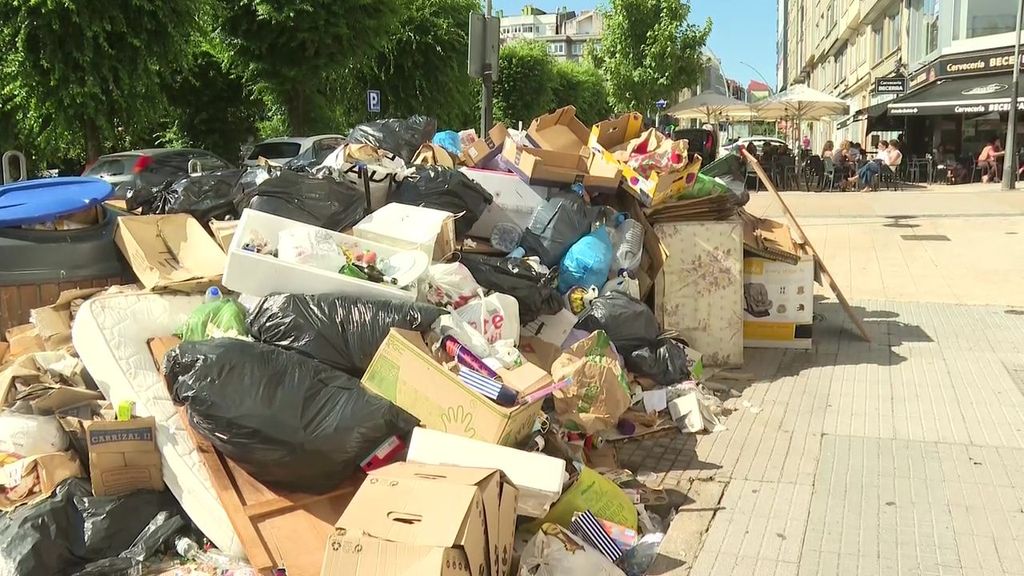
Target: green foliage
x: 421, y: 68
x: 295, y: 50
x: 526, y: 76
x: 582, y: 86
x: 78, y: 73
x: 650, y: 51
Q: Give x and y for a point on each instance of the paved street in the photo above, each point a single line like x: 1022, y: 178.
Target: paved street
x: 903, y: 456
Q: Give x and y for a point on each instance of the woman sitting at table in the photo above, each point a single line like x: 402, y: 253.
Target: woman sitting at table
x: 889, y: 156
x: 988, y: 160
x: 828, y: 150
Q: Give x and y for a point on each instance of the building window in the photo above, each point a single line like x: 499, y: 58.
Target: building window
x: 983, y: 17
x: 556, y: 48
x: 577, y: 49
x: 924, y: 29
x: 894, y: 32
x: 876, y: 33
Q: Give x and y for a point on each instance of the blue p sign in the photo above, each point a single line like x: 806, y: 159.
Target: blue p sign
x: 373, y: 100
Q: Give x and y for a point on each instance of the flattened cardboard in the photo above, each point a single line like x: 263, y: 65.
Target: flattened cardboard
x: 769, y: 239
x: 29, y: 480
x: 32, y: 376
x: 169, y: 251
x: 123, y: 456
x: 223, y: 232
x: 24, y: 339
x: 485, y: 149
x: 53, y: 322
x: 404, y: 372
x: 426, y: 517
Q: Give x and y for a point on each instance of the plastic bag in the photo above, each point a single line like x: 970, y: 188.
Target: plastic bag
x: 401, y: 137
x: 598, y: 393
x: 450, y: 285
x: 444, y: 189
x: 221, y: 317
x: 513, y: 276
x: 287, y: 420
x: 495, y: 316
x: 449, y: 140
x: 588, y: 262
x: 665, y: 363
x: 554, y: 551
x: 557, y: 225
x: 341, y: 331
x: 323, y: 202
x: 316, y: 248
x: 206, y: 196
x: 27, y: 435
x: 365, y: 166
x: 73, y: 532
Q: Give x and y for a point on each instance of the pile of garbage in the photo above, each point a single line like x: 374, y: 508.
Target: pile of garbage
x: 423, y: 349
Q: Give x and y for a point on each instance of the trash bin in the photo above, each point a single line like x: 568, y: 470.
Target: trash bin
x: 39, y: 264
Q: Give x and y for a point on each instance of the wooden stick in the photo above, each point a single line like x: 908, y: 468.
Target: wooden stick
x: 807, y: 242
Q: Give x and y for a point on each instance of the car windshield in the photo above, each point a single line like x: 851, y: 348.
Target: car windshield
x: 110, y: 167
x: 275, y: 150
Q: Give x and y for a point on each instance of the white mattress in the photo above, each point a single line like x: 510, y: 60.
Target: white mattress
x: 110, y: 334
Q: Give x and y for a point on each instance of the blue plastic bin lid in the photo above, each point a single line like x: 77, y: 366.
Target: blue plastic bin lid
x: 42, y: 200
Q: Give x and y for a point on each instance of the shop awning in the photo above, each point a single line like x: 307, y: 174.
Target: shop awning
x: 873, y: 111
x: 977, y: 95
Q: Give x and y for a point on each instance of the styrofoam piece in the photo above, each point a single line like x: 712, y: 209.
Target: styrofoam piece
x: 406, y: 227
x: 514, y: 202
x: 261, y: 274
x: 539, y: 477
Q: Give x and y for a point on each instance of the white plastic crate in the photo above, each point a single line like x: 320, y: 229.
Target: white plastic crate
x: 261, y: 274
x: 410, y: 228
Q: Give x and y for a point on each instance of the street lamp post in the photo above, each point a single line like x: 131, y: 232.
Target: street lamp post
x: 1010, y: 160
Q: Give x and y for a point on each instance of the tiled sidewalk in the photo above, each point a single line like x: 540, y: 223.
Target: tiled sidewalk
x: 901, y: 457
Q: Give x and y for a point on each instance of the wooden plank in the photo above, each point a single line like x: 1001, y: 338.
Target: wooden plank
x: 276, y: 528
x: 825, y: 275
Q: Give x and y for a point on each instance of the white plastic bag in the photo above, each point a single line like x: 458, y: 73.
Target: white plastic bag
x: 554, y: 551
x: 315, y: 248
x: 27, y: 435
x: 450, y: 286
x: 495, y: 316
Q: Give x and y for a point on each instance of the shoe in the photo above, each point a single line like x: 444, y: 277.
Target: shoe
x: 866, y: 190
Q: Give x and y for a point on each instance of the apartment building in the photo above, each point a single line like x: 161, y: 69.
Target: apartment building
x: 565, y: 32
x: 935, y: 70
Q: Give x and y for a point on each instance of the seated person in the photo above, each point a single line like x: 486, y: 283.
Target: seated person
x: 888, y: 157
x: 989, y: 159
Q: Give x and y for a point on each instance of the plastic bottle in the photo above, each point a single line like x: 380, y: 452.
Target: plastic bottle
x: 212, y: 294
x: 629, y: 240
x: 186, y: 547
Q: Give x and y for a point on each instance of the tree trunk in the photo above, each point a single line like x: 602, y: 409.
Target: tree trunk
x: 92, y: 141
x: 297, y: 113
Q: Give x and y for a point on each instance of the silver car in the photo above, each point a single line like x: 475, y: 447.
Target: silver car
x: 300, y: 149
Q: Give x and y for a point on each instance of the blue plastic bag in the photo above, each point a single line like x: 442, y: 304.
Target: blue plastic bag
x: 588, y: 262
x: 449, y: 141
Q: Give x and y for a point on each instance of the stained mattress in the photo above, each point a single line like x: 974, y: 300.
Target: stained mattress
x: 111, y: 334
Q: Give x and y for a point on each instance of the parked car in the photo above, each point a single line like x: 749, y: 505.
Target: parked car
x: 295, y: 148
x: 701, y: 141
x: 152, y: 167
x: 759, y: 142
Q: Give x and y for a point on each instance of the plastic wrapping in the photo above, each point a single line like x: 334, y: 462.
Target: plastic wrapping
x: 534, y: 291
x: 554, y: 551
x: 588, y: 262
x: 557, y: 225
x: 664, y: 363
x: 341, y: 331
x: 443, y: 189
x: 27, y: 435
x: 221, y: 317
x: 288, y: 420
x: 449, y: 140
x: 450, y: 285
x: 401, y: 137
x: 323, y: 202
x: 205, y: 197
x: 73, y: 532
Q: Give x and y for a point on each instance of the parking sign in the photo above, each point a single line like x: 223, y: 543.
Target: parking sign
x: 373, y: 100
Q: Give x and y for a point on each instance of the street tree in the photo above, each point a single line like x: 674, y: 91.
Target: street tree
x: 582, y: 86
x: 293, y: 52
x: 650, y: 51
x: 526, y: 77
x: 82, y: 73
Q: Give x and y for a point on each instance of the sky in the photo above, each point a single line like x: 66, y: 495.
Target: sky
x: 742, y: 31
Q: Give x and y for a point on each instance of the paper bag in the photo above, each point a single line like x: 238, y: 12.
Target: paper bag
x: 123, y: 456
x: 29, y: 480
x: 433, y: 155
x: 599, y: 392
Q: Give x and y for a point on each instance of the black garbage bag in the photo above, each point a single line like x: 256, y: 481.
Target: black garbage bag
x: 288, y: 420
x: 444, y: 189
x: 143, y: 198
x: 557, y: 225
x: 401, y: 137
x: 339, y: 330
x: 74, y: 532
x: 323, y: 202
x: 205, y: 197
x: 535, y: 292
x: 634, y: 330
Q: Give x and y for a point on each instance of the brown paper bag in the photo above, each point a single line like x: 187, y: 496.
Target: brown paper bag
x: 599, y: 392
x: 433, y: 155
x: 32, y: 479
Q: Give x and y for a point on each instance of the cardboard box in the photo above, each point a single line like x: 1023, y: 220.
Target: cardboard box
x: 410, y: 518
x: 560, y: 131
x: 778, y: 299
x: 486, y: 149
x: 405, y: 372
x: 607, y: 136
x: 169, y: 251
x: 223, y: 231
x: 53, y: 322
x: 123, y: 456
x: 540, y: 167
x: 538, y: 477
x: 514, y: 200
x: 410, y: 228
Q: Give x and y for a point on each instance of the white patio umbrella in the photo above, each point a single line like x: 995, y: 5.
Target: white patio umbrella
x: 801, y: 103
x: 710, y: 105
